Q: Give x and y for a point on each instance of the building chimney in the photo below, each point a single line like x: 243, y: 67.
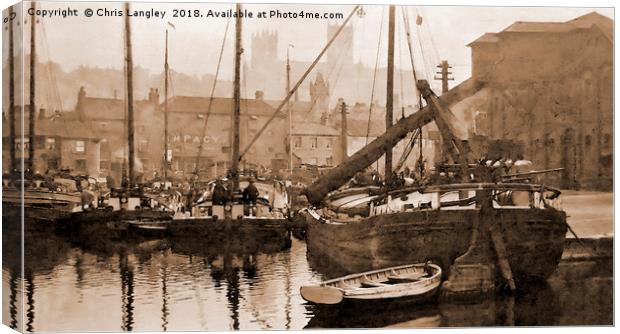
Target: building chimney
x: 259, y: 95
x: 343, y: 130
x: 81, y: 94
x: 153, y: 96
x: 79, y: 108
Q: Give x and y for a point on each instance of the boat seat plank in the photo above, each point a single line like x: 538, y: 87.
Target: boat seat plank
x: 406, y: 278
x: 371, y: 284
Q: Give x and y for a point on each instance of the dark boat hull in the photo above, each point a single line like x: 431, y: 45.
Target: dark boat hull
x: 534, y: 240
x: 36, y: 219
x: 103, y: 224
x: 239, y: 234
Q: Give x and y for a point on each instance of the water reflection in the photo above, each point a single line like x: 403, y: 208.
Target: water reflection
x: 14, y: 301
x: 164, y: 284
x: 127, y: 284
x: 164, y: 298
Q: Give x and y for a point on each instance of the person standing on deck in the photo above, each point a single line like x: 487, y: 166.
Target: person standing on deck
x: 220, y: 194
x: 250, y: 193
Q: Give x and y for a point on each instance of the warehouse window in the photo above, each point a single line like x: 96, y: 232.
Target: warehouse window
x: 104, y: 165
x: 297, y: 143
x: 314, y: 142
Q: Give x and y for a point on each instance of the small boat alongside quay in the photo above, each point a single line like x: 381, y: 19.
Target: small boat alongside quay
x: 415, y: 282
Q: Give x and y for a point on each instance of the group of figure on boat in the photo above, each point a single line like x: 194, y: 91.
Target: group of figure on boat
x: 485, y: 169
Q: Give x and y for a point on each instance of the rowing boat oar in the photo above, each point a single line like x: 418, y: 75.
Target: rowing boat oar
x: 321, y: 294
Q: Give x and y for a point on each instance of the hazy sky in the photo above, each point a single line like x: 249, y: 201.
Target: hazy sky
x: 195, y: 43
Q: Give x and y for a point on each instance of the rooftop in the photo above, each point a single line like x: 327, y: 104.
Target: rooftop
x: 313, y: 129
x: 587, y: 21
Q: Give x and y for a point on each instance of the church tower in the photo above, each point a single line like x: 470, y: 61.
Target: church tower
x: 341, y: 52
x: 319, y: 96
x: 264, y: 51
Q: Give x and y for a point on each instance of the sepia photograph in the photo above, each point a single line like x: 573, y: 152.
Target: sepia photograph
x: 221, y: 166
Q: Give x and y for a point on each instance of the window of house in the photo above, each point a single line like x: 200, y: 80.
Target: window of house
x: 328, y: 144
x: 329, y: 161
x: 104, y: 146
x: 80, y: 146
x: 104, y: 165
x: 315, y: 142
x: 50, y: 144
x: 297, y: 142
x: 80, y: 165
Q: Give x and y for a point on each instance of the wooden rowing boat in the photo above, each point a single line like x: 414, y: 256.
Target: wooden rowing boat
x: 418, y: 281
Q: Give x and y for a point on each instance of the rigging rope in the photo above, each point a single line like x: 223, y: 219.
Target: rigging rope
x: 405, y: 16
x: 52, y: 82
x: 332, y: 69
x: 217, y: 72
x: 428, y: 64
x: 335, y: 83
x: 400, y: 72
x: 245, y: 100
x: 301, y: 80
x: 408, y: 149
x: 374, y: 77
x: 432, y: 41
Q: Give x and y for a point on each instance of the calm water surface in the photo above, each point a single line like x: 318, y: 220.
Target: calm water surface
x: 162, y: 285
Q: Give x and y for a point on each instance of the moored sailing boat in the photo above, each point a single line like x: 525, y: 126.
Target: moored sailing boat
x: 129, y: 203
x: 475, y: 229
x: 261, y: 218
x: 39, y: 197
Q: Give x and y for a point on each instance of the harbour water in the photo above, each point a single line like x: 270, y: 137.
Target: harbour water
x: 161, y: 284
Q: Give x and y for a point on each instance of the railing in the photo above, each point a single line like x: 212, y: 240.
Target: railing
x: 465, y: 196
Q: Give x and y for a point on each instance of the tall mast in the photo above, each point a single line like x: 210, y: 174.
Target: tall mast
x: 13, y: 162
x: 389, y: 103
x: 166, y: 111
x: 234, y: 169
x: 290, y: 115
x: 129, y: 64
x: 31, y: 107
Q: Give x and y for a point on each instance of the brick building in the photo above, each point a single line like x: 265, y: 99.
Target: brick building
x: 315, y: 144
x: 58, y: 143
x: 549, y: 89
x: 186, y: 131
